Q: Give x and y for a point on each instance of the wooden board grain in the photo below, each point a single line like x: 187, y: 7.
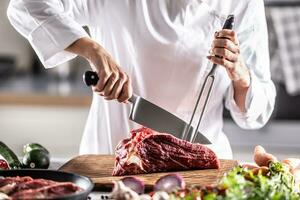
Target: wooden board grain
x: 100, y: 167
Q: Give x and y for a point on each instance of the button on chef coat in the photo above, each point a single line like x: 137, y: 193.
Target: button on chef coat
x: 162, y: 45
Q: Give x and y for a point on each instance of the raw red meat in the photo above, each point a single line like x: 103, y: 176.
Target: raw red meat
x: 9, y: 184
x: 148, y: 151
x: 29, y: 188
x: 11, y: 180
x: 47, y: 192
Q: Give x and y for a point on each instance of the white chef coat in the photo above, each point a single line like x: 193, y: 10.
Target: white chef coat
x: 162, y: 45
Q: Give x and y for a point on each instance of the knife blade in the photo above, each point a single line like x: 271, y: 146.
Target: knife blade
x: 150, y: 115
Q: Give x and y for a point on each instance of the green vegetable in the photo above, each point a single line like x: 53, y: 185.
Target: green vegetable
x: 242, y: 184
x: 31, y: 146
x: 9, y: 156
x: 210, y: 196
x: 36, y: 158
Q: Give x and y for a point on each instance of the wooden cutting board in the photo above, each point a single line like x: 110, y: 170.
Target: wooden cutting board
x: 100, y: 167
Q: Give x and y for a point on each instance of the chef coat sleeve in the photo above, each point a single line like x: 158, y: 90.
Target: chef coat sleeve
x: 49, y: 25
x: 260, y: 99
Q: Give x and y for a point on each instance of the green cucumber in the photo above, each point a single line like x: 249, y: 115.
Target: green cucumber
x: 31, y: 146
x: 9, y: 156
x: 36, y: 158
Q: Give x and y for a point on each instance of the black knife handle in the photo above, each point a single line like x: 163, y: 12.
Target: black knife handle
x: 229, y: 23
x: 90, y: 78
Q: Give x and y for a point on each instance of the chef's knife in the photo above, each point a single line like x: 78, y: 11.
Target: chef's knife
x: 150, y: 115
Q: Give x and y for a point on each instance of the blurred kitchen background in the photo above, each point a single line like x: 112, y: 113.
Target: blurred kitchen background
x: 50, y: 107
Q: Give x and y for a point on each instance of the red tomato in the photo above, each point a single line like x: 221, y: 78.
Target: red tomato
x: 3, y: 164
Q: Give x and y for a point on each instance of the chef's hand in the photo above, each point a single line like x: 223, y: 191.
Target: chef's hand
x: 113, y: 82
x: 225, y: 51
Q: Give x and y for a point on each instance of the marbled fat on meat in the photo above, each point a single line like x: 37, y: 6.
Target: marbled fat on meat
x: 52, y: 190
x: 148, y: 151
x: 29, y: 188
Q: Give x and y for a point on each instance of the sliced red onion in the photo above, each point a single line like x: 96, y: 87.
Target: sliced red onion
x: 169, y: 183
x: 135, y: 184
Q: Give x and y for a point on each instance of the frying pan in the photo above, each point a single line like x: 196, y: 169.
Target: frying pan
x: 85, y: 183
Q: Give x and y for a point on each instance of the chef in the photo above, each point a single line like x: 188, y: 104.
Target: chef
x: 160, y: 50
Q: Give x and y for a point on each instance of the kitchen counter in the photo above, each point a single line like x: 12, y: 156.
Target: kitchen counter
x: 281, y: 3
x: 279, y: 137
x: 45, y: 109
x: 44, y: 100
x: 44, y: 90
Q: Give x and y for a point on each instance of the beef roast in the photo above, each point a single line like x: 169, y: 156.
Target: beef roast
x: 148, y: 151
